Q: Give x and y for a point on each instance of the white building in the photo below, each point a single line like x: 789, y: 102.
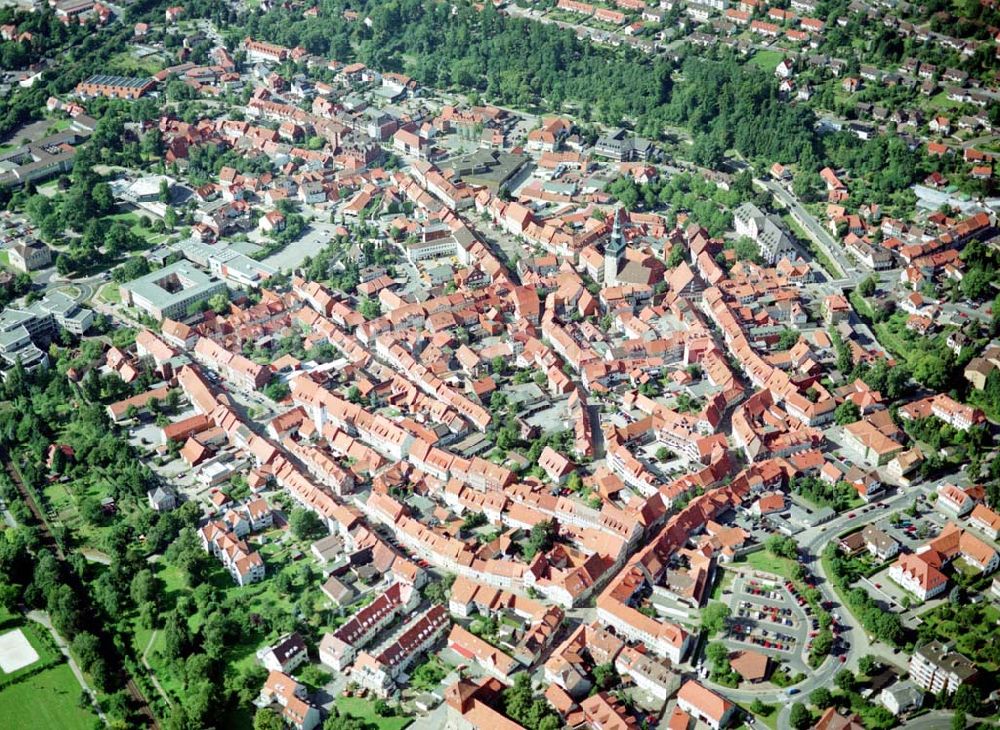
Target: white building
x: 935, y: 668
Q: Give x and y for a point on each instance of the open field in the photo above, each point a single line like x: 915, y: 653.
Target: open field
x: 763, y: 560
x: 767, y: 60
x: 49, y: 699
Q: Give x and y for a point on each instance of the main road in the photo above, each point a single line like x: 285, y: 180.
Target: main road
x: 819, y: 235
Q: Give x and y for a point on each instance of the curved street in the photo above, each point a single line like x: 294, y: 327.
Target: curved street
x: 812, y: 542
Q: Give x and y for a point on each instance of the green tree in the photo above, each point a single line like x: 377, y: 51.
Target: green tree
x: 847, y: 412
x: 87, y: 649
x: 717, y: 654
x: 267, y: 719
x: 714, y: 617
x: 868, y: 664
x: 822, y: 644
x: 219, y: 303
x: 800, y: 717
x: 845, y: 681
x: 541, y: 538
x: 605, y: 676
x: 821, y: 697
x: 968, y: 699
x: 782, y: 547
x: 438, y: 591
x: 867, y: 287
x: 369, y: 308
x: 145, y: 586
x: 664, y: 454
x: 306, y: 524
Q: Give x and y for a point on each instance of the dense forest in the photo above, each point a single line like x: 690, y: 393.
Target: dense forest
x: 527, y: 64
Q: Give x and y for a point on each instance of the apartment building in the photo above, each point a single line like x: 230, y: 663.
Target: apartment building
x: 935, y: 668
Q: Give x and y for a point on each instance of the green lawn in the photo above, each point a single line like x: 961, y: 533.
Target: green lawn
x: 66, y: 500
x: 126, y: 63
x: 941, y: 102
x: 365, y: 710
x: 770, y: 719
x: 59, y: 125
x: 764, y: 561
x: 110, y: 293
x: 5, y: 258
x: 261, y: 596
x: 724, y: 582
x: 47, y: 700
x: 861, y: 305
x: 767, y: 60
x: 146, y: 234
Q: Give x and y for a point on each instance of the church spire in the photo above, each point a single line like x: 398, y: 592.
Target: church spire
x: 614, y: 251
x: 616, y: 244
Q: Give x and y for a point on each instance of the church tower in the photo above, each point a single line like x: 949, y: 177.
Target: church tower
x: 614, y: 251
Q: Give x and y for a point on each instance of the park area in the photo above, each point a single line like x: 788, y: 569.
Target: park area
x: 37, y: 688
x: 49, y: 699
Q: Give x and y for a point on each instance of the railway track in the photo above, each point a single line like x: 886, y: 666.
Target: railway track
x: 48, y: 540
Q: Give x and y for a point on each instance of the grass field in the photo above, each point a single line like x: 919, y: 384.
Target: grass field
x: 47, y: 700
x: 767, y: 60
x: 59, y: 125
x: 5, y: 258
x: 770, y: 719
x: 763, y: 560
x: 110, y: 293
x: 125, y: 62
x: 146, y: 234
x: 941, y: 102
x: 365, y: 710
x: 260, y: 596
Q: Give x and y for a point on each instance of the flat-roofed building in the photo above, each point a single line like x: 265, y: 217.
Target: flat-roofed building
x: 934, y: 667
x: 169, y: 291
x: 114, y: 87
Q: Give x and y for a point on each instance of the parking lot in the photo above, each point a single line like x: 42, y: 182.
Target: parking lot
x: 767, y: 617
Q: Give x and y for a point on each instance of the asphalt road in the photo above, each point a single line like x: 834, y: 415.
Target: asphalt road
x: 812, y: 542
x: 819, y: 235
